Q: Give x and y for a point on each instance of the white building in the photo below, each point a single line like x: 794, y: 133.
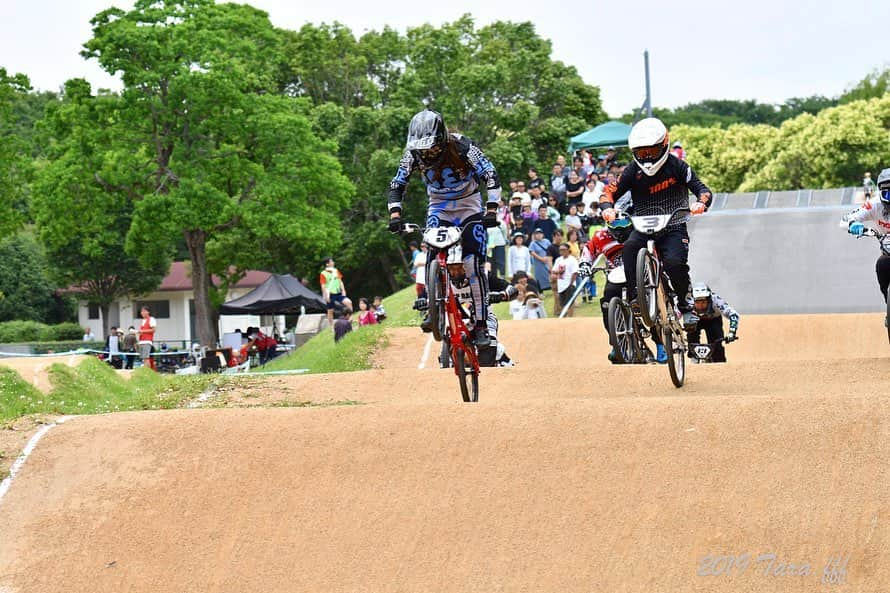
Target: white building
x: 173, y: 305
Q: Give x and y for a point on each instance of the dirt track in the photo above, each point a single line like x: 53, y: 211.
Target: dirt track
x: 569, y: 475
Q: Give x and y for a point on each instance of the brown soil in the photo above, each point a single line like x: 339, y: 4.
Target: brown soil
x: 570, y: 475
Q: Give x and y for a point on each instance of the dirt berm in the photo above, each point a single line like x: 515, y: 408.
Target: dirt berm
x: 570, y: 475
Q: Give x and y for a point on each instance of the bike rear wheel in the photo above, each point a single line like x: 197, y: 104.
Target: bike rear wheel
x: 467, y: 376
x: 676, y: 358
x: 436, y: 300
x: 647, y: 287
x: 621, y: 330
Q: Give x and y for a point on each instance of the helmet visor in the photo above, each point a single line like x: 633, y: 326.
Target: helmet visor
x: 885, y: 194
x: 649, y: 154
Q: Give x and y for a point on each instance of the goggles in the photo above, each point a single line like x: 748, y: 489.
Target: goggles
x: 649, y: 153
x: 432, y: 153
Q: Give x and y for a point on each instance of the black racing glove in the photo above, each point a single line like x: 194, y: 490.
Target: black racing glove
x: 395, y: 225
x: 490, y: 218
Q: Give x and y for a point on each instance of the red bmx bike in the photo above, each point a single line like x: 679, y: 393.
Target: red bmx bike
x: 450, y: 321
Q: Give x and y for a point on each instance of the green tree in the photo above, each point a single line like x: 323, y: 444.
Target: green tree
x: 497, y: 84
x: 831, y: 149
x: 83, y: 225
x: 26, y: 290
x: 876, y: 84
x: 724, y: 157
x: 14, y: 160
x: 217, y: 150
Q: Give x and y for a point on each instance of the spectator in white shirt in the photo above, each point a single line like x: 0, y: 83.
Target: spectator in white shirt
x: 534, y: 307
x: 519, y: 256
x: 592, y: 193
x: 565, y: 268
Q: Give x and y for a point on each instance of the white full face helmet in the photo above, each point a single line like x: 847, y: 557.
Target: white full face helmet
x: 648, y: 142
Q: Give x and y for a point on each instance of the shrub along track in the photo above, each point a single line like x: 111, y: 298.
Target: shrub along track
x: 569, y: 475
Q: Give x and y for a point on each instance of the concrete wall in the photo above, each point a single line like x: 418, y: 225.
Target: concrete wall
x: 795, y: 260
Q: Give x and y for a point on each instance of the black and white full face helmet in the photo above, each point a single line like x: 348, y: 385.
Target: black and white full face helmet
x: 427, y: 137
x: 884, y: 187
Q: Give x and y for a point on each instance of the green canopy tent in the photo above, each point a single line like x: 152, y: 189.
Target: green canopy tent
x: 611, y: 133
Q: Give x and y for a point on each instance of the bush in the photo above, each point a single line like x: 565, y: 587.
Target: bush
x: 61, y: 332
x: 21, y: 331
x: 56, y: 347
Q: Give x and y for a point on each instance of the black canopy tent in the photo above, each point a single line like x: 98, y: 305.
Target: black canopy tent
x: 280, y: 294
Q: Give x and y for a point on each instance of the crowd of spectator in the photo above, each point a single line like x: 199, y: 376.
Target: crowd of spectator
x: 544, y: 225
x: 369, y: 313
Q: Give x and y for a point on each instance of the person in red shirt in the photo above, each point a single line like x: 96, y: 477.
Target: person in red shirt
x: 267, y: 346
x: 146, y: 337
x: 365, y: 316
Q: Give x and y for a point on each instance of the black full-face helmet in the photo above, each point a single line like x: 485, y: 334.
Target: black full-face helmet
x: 427, y: 136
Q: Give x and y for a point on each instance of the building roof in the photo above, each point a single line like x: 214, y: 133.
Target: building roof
x: 180, y: 278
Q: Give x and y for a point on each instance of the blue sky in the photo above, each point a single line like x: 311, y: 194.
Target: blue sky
x: 757, y: 49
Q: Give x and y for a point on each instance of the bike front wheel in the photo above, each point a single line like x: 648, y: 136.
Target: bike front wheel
x: 621, y: 330
x: 676, y: 358
x: 647, y: 287
x: 467, y: 376
x: 436, y: 300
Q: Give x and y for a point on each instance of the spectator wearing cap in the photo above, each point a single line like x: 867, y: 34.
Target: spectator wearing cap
x: 541, y: 261
x: 558, y: 183
x: 518, y: 258
x: 678, y: 151
x: 611, y: 156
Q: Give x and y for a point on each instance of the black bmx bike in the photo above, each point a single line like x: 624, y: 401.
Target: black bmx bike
x: 627, y: 334
x: 656, y: 296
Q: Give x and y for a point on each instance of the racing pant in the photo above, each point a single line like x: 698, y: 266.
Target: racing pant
x: 673, y: 249
x: 882, y: 269
x: 714, y: 332
x: 465, y: 213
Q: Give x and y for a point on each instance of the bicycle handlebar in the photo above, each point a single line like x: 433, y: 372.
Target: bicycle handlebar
x: 869, y: 232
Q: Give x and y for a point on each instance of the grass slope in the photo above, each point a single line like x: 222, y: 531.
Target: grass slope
x: 322, y: 355
x: 93, y: 387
